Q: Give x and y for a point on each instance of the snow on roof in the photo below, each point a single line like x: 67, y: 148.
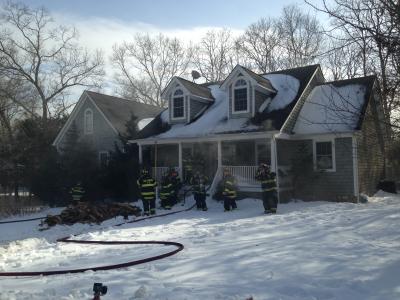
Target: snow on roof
x: 143, y: 123
x: 331, y: 108
x: 213, y: 121
x: 287, y: 87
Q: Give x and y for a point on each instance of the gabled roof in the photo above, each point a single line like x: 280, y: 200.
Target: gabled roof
x: 196, y: 89
x: 193, y: 88
x: 260, y: 80
x: 336, y: 106
x: 287, y: 85
x: 118, y: 110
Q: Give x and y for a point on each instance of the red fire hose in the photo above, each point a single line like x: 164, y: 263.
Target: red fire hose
x: 106, y: 267
x: 179, y: 247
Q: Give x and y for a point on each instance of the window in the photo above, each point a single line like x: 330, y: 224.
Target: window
x: 178, y: 105
x: 324, y: 156
x: 104, y: 158
x: 240, y: 96
x: 88, y: 121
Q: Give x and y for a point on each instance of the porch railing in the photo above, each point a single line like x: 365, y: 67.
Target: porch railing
x: 244, y: 174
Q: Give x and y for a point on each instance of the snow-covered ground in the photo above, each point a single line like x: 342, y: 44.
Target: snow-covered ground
x: 307, y: 251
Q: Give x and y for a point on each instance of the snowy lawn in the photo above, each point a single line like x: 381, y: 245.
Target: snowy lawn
x: 307, y: 251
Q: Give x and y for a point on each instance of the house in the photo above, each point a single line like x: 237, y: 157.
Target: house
x: 324, y: 139
x: 101, y: 119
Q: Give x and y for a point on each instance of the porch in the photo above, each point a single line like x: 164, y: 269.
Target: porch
x: 241, y: 154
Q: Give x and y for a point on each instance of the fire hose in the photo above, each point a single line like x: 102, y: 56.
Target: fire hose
x: 179, y: 247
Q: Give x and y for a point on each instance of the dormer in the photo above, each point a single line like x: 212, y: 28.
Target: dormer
x: 246, y: 91
x: 186, y: 100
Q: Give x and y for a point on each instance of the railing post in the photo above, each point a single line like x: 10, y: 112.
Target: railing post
x: 180, y: 160
x: 140, y: 154
x: 219, y: 154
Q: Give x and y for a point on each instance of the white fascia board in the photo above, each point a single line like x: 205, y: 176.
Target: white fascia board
x: 71, y: 118
x: 168, y: 87
x: 285, y: 136
x: 235, y: 71
x: 103, y: 115
x: 298, y: 100
x: 222, y: 137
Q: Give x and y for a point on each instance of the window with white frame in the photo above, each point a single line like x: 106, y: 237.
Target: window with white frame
x: 178, y: 105
x: 324, y: 156
x: 240, y: 96
x: 88, y: 121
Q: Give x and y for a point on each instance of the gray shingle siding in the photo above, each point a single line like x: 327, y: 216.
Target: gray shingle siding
x: 195, y: 107
x: 259, y: 99
x: 370, y: 153
x: 103, y: 137
x: 314, y: 185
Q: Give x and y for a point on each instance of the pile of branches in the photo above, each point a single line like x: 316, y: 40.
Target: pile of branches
x: 92, y: 213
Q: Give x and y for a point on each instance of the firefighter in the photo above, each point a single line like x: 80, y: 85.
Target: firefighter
x: 166, y: 192
x: 147, y: 187
x: 268, y: 187
x: 199, y: 183
x: 77, y: 193
x: 229, y: 190
x: 176, y: 185
x: 188, y: 170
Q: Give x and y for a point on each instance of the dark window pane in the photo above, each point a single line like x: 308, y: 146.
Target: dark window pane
x: 240, y: 99
x: 178, y: 107
x: 324, y: 155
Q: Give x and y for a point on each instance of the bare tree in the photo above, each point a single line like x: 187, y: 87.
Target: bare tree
x: 146, y: 65
x: 214, y: 56
x: 260, y: 44
x: 44, y: 58
x: 375, y: 26
x: 301, y: 36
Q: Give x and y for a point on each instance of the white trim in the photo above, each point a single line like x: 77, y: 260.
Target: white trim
x: 355, y: 168
x: 184, y: 104
x: 331, y: 135
x: 298, y: 100
x: 236, y: 112
x: 253, y: 101
x: 88, y: 129
x: 319, y: 140
x: 140, y: 154
x: 69, y: 122
x: 85, y: 96
x: 180, y: 160
x: 219, y: 154
x: 103, y: 115
x: 222, y: 137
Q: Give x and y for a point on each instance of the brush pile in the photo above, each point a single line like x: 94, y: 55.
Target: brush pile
x: 92, y: 213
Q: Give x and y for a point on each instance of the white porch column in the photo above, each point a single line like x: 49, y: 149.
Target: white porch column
x: 140, y: 154
x: 180, y: 160
x: 219, y: 154
x: 274, y: 164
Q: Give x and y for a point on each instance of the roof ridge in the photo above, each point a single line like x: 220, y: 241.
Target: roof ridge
x: 291, y: 69
x: 348, y: 79
x: 120, y: 98
x: 199, y: 85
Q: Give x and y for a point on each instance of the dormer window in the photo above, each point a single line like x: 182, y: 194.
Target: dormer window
x: 240, y: 96
x: 178, y: 105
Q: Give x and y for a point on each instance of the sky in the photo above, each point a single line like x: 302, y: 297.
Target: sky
x: 171, y: 14
x: 104, y: 23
